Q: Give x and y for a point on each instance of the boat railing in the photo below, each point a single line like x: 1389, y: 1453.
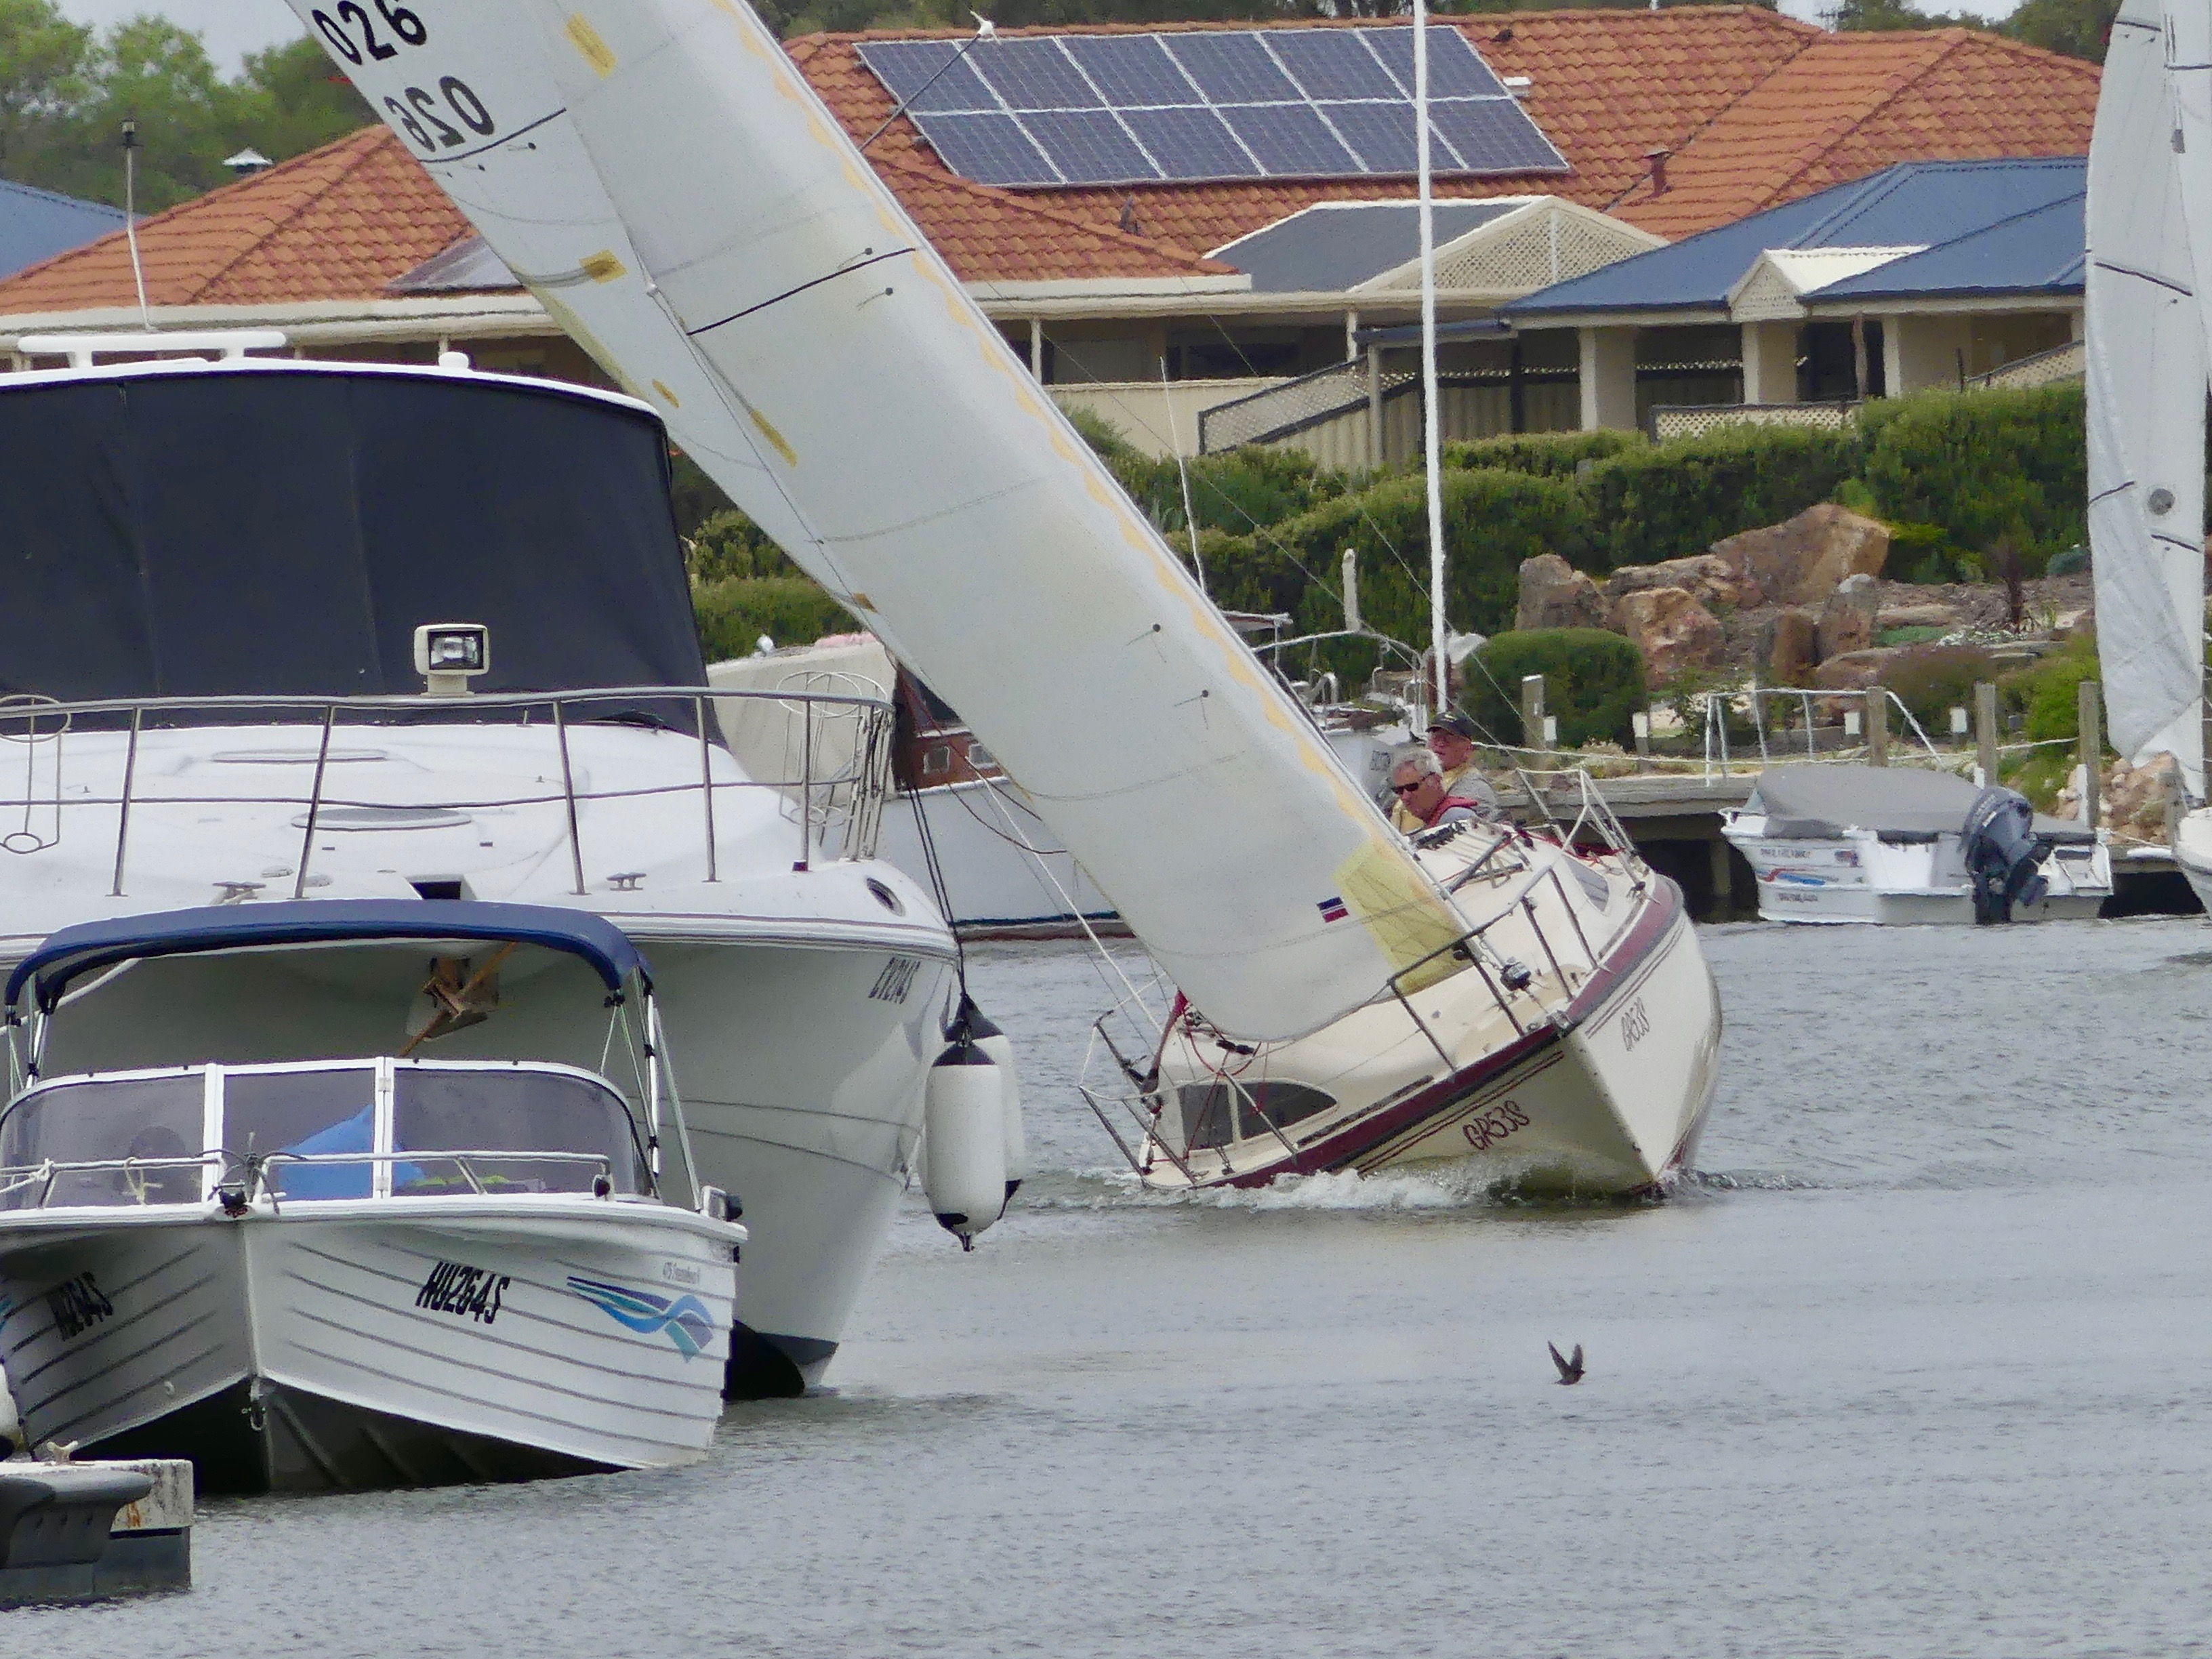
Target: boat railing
x: 833, y: 804
x: 252, y: 1175
x: 1533, y: 950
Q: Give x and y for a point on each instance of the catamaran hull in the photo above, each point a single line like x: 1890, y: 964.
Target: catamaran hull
x: 319, y: 1352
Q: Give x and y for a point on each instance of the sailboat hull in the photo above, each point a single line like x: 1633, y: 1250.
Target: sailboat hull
x: 1606, y: 1094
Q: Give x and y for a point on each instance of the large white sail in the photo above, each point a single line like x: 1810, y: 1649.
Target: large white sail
x: 669, y: 186
x: 2147, y: 392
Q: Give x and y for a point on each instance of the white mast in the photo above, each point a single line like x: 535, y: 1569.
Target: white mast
x: 1431, y: 440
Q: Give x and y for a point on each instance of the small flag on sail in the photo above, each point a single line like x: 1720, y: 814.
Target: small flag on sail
x: 1332, y: 909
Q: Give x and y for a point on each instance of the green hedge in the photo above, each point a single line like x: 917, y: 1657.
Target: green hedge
x: 1593, y: 682
x: 1671, y: 501
x: 1546, y: 454
x: 728, y: 543
x: 1983, y: 467
x: 734, y: 612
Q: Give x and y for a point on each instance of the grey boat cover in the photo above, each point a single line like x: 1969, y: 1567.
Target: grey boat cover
x: 1896, y: 802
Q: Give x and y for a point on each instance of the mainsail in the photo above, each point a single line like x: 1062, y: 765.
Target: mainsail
x: 2146, y: 352
x: 668, y: 187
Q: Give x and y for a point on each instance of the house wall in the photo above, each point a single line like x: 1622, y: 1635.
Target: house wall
x: 1146, y: 413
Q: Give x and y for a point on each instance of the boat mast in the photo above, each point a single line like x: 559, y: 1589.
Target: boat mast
x: 1432, y: 444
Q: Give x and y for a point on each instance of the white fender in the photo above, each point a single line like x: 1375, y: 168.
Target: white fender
x: 1000, y: 1047
x: 964, y: 1173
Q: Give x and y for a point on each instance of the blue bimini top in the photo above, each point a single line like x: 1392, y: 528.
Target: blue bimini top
x: 75, y: 951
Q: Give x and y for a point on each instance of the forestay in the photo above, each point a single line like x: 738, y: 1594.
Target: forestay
x: 2147, y: 389
x: 672, y: 191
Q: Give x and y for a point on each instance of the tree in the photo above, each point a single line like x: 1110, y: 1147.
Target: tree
x: 2080, y: 28
x: 1877, y: 14
x: 64, y: 94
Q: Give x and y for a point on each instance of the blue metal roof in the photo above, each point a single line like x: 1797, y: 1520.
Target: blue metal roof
x: 37, y: 224
x: 2014, y: 227
x: 88, y: 946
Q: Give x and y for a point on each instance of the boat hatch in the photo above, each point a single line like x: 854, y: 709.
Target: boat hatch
x: 352, y: 1129
x: 1259, y: 1105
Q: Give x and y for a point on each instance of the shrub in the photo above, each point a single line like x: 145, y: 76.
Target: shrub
x: 1931, y: 680
x: 2047, y: 691
x: 1674, y: 499
x: 1239, y: 491
x: 730, y: 545
x: 1544, y: 454
x: 1492, y: 521
x: 1593, y: 682
x: 1984, y: 466
x: 731, y: 614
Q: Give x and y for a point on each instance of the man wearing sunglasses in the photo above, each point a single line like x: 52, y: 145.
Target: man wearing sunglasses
x: 1418, y: 781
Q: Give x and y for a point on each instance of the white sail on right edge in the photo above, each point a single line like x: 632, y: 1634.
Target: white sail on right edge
x: 2145, y: 345
x: 669, y: 186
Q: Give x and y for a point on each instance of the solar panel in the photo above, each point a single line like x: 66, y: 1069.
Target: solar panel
x: 1292, y: 103
x: 990, y: 148
x: 1335, y: 63
x: 1191, y: 143
x: 1089, y: 143
x: 1133, y: 71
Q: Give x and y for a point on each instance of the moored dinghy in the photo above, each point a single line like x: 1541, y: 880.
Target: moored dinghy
x: 307, y: 1272
x: 1900, y: 844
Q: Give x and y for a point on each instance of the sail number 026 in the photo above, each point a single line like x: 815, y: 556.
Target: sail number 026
x: 422, y: 115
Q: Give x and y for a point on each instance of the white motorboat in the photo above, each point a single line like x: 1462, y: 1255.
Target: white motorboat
x: 668, y: 187
x: 1004, y: 874
x: 2145, y: 323
x: 1577, y: 1051
x: 1901, y: 844
x: 303, y: 1271
x: 222, y: 574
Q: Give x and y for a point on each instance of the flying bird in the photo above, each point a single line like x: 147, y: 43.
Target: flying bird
x: 1570, y: 1370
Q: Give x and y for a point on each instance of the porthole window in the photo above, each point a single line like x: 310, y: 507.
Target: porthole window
x: 885, y: 897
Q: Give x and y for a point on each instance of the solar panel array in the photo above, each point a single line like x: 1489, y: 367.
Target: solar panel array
x: 1125, y: 109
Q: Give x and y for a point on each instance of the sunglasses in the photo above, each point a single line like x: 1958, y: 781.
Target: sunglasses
x: 1406, y: 788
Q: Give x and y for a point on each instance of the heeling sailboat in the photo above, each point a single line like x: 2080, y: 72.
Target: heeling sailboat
x: 2149, y: 181
x: 663, y: 181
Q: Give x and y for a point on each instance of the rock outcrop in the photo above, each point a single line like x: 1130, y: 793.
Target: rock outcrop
x: 1554, y: 594
x: 1917, y: 616
x: 1675, y: 633
x: 2134, y: 797
x: 1711, y: 580
x: 1801, y: 560
x: 1789, y: 647
x: 1855, y: 671
x: 1847, y: 619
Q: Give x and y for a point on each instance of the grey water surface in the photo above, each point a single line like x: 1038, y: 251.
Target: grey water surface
x: 1920, y: 1365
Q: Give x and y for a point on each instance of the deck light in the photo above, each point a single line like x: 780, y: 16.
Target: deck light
x: 448, y: 655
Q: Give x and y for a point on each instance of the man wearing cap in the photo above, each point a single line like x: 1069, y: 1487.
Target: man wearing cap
x: 1451, y: 740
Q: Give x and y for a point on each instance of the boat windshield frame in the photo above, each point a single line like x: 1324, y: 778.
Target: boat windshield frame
x: 241, y: 1174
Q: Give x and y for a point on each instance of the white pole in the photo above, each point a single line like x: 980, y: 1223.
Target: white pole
x: 1431, y: 440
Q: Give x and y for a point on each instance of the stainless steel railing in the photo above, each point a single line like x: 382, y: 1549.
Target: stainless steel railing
x: 833, y: 804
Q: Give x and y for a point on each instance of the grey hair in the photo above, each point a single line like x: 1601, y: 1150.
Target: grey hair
x: 1419, y: 759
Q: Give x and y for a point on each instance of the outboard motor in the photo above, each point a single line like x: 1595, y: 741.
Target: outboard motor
x: 1000, y: 1047
x: 2003, y: 856
x: 963, y: 1172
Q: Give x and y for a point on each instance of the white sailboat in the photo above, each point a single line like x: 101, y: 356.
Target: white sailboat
x: 354, y: 1266
x: 666, y: 183
x: 2149, y: 214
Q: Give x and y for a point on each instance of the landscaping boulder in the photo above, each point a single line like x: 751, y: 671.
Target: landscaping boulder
x: 1675, y: 633
x: 1789, y: 647
x: 1800, y: 561
x: 1554, y: 594
x: 1709, y: 578
x: 1917, y: 616
x: 2134, y: 797
x: 1847, y: 619
x: 1855, y: 671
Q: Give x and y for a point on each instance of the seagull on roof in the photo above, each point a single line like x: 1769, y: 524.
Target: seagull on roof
x: 1570, y: 1370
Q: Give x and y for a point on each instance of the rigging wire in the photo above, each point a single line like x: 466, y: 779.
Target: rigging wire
x: 938, y: 889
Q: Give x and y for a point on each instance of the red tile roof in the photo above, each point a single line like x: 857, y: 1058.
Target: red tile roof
x: 1849, y: 104
x: 1757, y: 109
x: 336, y: 224
x: 1606, y: 86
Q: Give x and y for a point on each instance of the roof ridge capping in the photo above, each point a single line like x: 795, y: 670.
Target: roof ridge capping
x: 1466, y: 22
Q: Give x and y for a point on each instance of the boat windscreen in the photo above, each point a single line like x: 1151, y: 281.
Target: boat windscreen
x: 284, y: 531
